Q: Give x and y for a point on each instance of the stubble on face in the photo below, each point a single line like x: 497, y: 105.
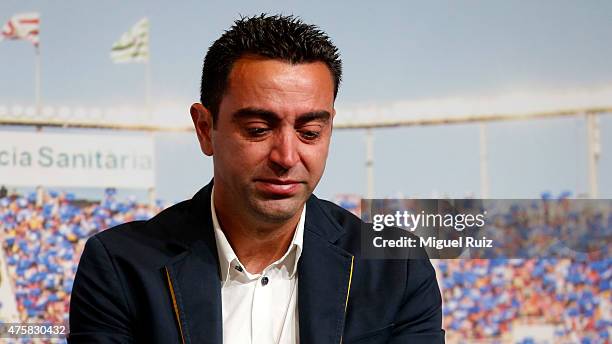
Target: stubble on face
x: 272, y: 137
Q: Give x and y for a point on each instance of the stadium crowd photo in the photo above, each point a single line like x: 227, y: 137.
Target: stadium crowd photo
x: 484, y: 300
x: 368, y: 172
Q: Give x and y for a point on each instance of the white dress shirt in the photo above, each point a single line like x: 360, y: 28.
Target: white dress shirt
x: 259, y: 308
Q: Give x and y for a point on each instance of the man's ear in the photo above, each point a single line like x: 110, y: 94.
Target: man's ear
x: 203, y: 123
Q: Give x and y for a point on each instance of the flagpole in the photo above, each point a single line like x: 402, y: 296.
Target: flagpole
x: 148, y: 73
x: 152, y: 191
x: 37, y: 82
x: 148, y: 89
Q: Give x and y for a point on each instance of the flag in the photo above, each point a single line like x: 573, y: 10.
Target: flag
x: 133, y: 46
x: 22, y: 26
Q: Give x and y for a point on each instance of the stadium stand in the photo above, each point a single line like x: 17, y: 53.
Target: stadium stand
x: 44, y: 233
x: 42, y: 241
x: 484, y: 299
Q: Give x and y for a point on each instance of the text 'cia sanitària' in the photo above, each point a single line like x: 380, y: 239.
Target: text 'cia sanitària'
x: 47, y: 157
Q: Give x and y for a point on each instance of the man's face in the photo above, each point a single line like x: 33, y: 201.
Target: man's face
x: 271, y: 138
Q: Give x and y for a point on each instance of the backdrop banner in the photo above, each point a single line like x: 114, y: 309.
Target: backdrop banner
x: 76, y: 160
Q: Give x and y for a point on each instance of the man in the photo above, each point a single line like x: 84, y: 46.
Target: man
x: 254, y: 257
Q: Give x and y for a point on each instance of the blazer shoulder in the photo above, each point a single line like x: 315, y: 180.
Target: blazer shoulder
x: 339, y: 215
x: 163, y: 232
x: 356, y: 231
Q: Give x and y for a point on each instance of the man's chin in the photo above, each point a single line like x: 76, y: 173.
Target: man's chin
x: 279, y: 210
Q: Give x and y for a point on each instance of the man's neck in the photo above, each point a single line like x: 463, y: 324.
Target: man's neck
x: 257, y: 245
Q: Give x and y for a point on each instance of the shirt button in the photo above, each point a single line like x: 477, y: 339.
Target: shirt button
x: 238, y: 267
x: 264, y: 281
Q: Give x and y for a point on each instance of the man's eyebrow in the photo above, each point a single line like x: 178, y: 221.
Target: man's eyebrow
x: 304, y: 118
x: 251, y: 112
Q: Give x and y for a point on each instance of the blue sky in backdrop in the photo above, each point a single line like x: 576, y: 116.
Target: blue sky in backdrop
x: 403, y: 57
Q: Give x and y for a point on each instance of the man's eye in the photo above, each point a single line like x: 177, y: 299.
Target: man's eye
x: 310, y: 135
x: 257, y: 131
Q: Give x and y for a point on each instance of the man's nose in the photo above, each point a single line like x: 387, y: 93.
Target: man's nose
x: 284, y: 154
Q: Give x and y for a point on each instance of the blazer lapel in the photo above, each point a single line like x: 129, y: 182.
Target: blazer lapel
x: 196, y: 296
x: 193, y: 276
x: 324, y: 277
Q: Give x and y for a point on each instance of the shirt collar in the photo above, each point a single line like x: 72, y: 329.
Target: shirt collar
x: 228, y: 258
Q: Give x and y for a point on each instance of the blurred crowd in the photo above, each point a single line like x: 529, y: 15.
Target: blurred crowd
x: 44, y: 233
x: 547, y: 228
x: 484, y: 299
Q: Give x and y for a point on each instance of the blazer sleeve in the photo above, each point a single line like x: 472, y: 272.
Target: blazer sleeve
x: 419, y: 320
x: 98, y: 305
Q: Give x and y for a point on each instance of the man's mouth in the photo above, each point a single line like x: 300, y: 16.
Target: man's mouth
x: 278, y: 187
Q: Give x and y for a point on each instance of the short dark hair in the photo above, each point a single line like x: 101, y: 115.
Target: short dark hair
x: 280, y: 37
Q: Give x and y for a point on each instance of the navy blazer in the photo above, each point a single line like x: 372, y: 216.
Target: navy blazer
x: 157, y: 281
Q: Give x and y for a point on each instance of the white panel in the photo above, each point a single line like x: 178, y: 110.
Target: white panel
x: 51, y: 159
